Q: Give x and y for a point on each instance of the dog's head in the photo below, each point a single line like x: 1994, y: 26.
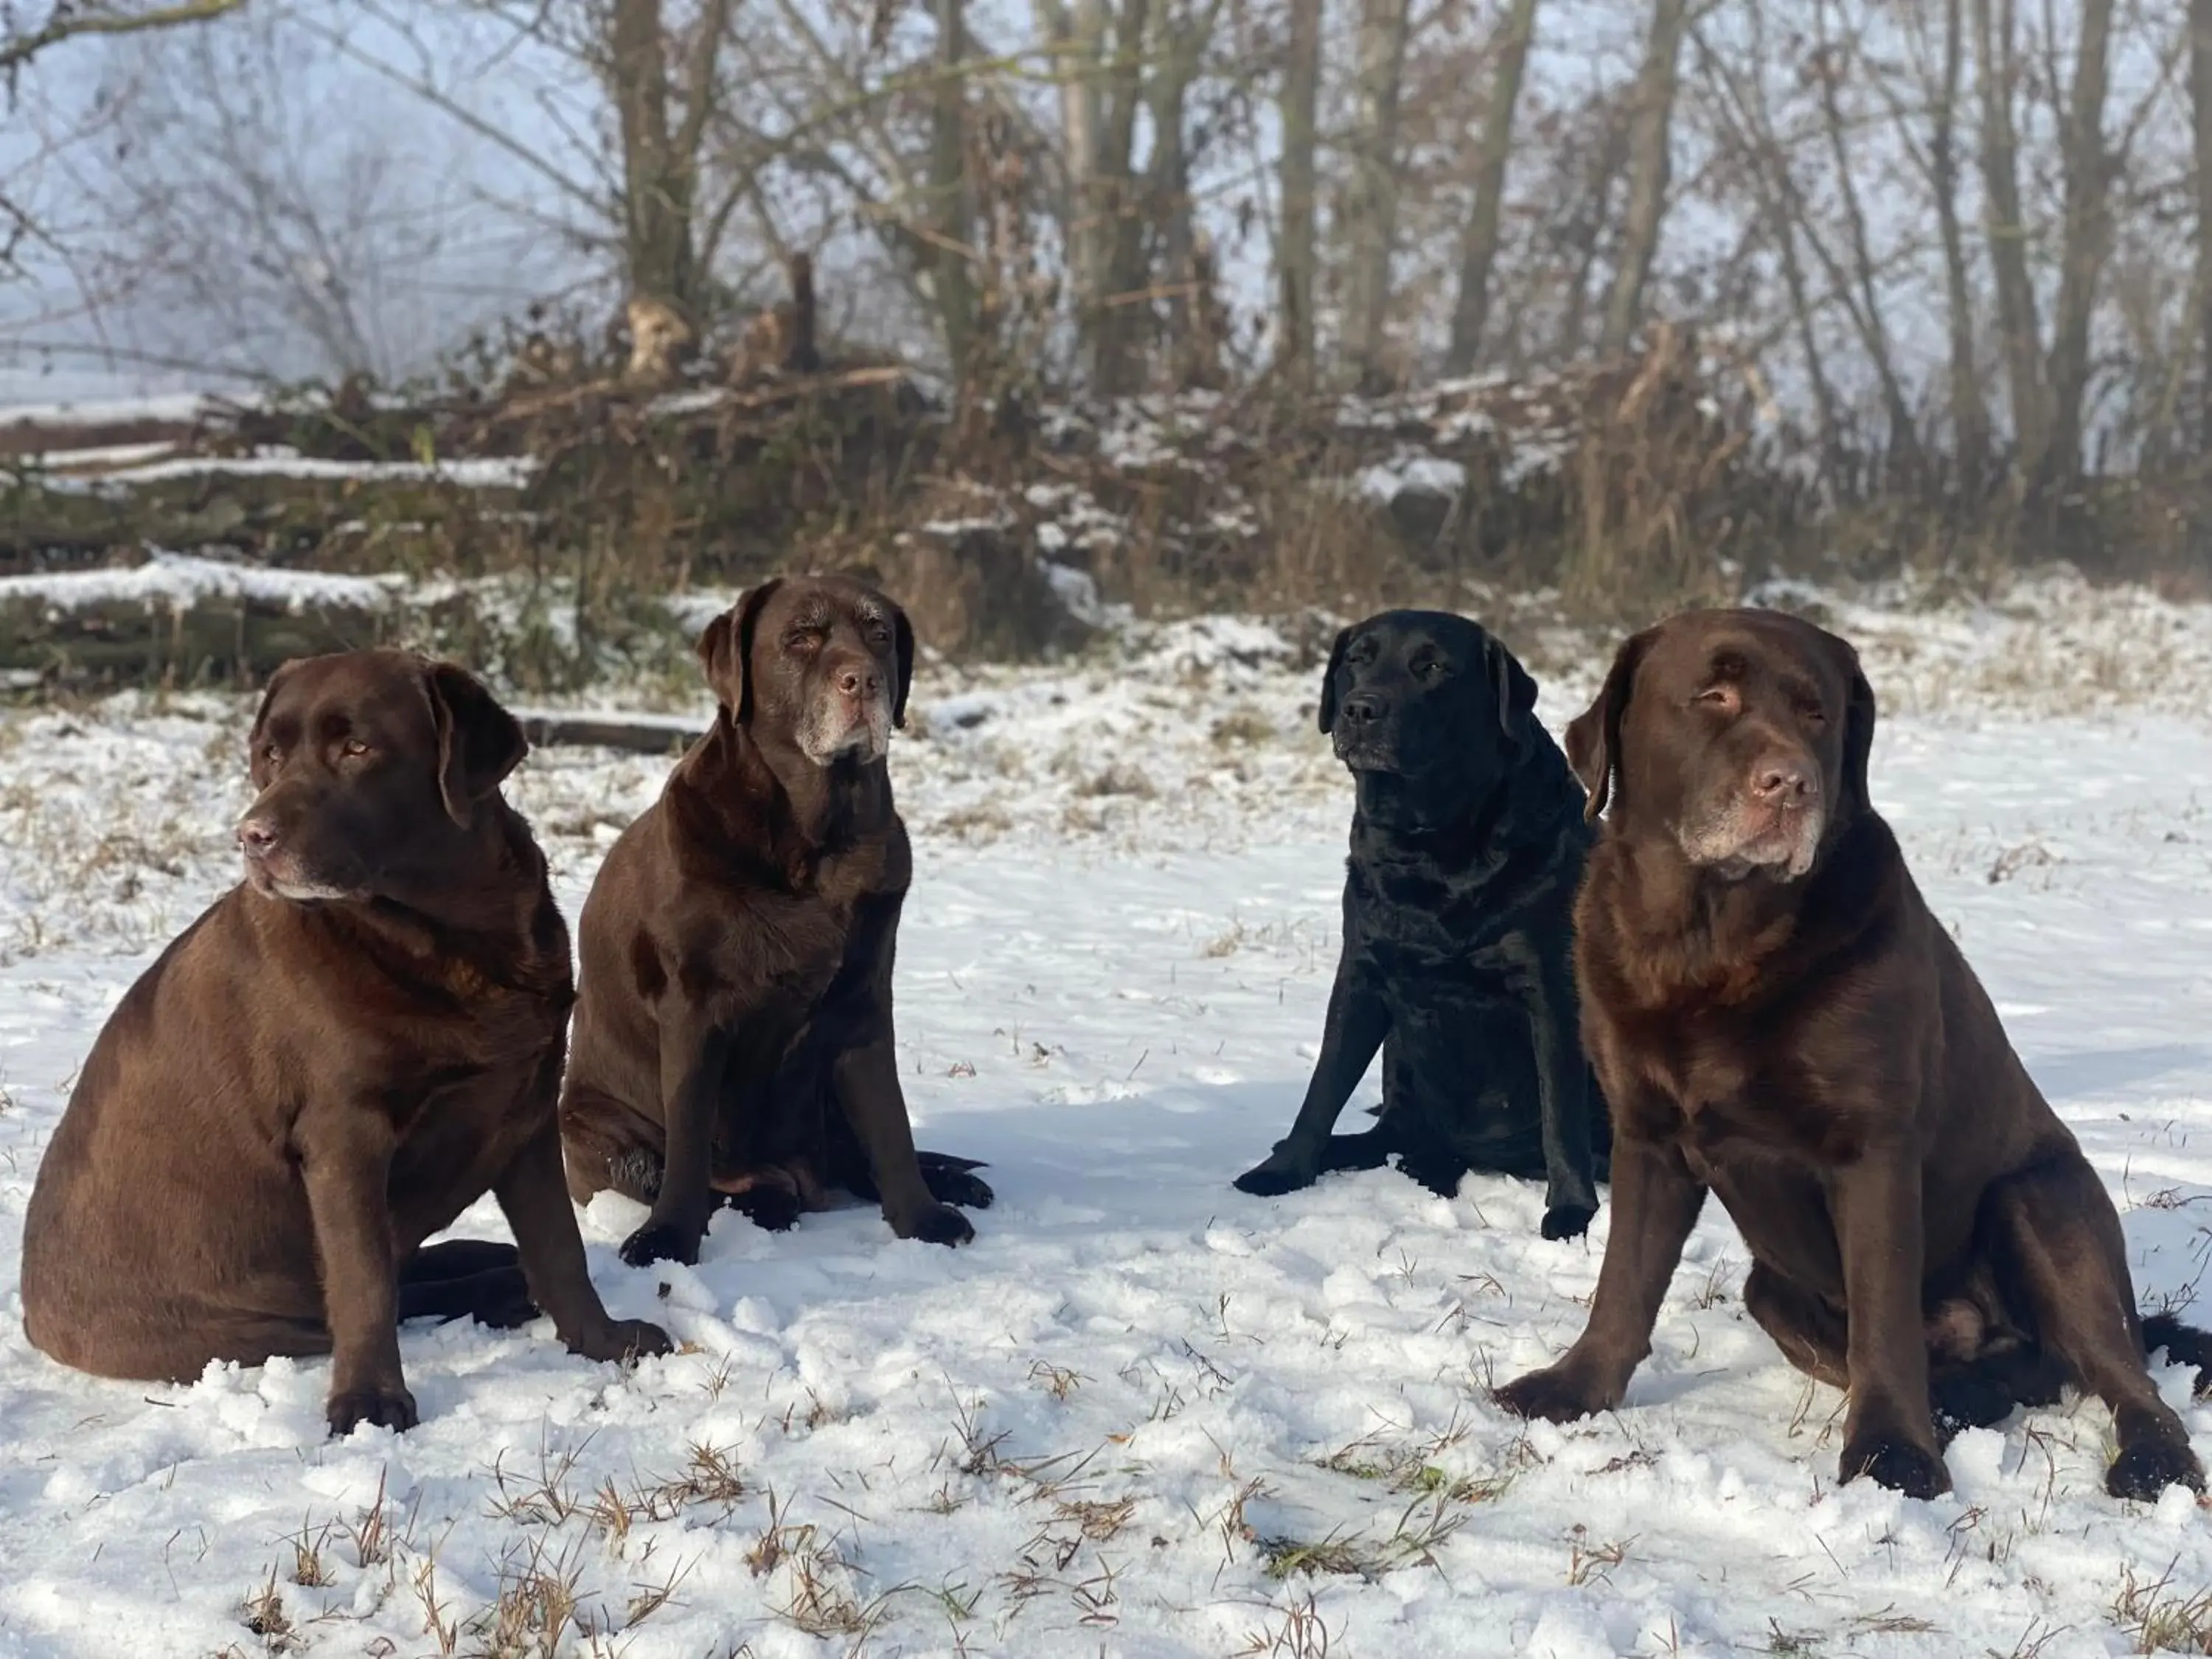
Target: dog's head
x: 819, y: 663
x: 372, y: 767
x: 1742, y: 736
x: 1428, y: 698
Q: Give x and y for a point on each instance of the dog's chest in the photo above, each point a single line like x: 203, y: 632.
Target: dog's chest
x: 839, y: 917
x: 1423, y: 938
x: 1730, y: 1102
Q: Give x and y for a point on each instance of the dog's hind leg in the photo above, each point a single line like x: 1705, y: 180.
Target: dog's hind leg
x: 1812, y: 1336
x: 946, y: 1176
x: 1371, y: 1149
x: 2065, y: 1266
x: 2185, y: 1345
x: 466, y: 1278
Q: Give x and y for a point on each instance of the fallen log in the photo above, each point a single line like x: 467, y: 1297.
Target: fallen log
x: 181, y: 620
x: 634, y: 734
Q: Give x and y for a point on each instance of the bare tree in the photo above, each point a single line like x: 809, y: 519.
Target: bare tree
x: 662, y: 130
x: 951, y: 286
x: 1295, y: 257
x: 1494, y: 152
x: 237, y: 214
x: 2200, y: 97
x: 19, y: 44
x: 1371, y: 201
x: 2084, y: 241
x: 1650, y: 142
x: 1997, y: 67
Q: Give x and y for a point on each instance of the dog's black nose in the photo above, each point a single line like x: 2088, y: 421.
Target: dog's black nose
x: 1365, y: 708
x: 256, y: 838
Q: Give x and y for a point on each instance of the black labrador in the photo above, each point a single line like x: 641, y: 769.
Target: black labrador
x: 1467, y: 842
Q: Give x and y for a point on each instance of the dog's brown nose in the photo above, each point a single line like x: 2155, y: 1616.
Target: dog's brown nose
x: 256, y: 838
x: 1782, y: 782
x: 857, y: 681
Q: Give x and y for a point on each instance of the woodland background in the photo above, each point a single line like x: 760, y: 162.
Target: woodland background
x: 1035, y: 309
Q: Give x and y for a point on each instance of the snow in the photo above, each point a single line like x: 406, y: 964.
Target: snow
x: 1093, y: 1431
x: 177, y: 581
x: 278, y: 461
x: 181, y: 407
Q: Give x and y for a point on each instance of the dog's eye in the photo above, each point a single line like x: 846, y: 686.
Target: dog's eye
x: 1722, y: 697
x: 801, y: 639
x: 1429, y: 668
x: 271, y: 753
x: 353, y: 749
x: 1813, y: 714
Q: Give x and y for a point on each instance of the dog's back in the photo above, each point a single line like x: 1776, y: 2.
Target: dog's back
x: 155, y: 1237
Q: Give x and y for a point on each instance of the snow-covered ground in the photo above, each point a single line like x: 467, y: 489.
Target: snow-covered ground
x: 1145, y: 1415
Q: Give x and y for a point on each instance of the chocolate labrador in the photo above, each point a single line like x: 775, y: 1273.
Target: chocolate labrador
x: 1467, y: 844
x: 734, y: 1034
x: 1777, y: 1018
x: 339, y: 1056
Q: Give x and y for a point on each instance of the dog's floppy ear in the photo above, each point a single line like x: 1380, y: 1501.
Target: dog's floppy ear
x: 479, y: 743
x: 1514, y: 690
x: 1328, y: 679
x: 725, y: 649
x: 902, y: 636
x: 1858, y: 730
x: 260, y: 769
x: 1594, y: 735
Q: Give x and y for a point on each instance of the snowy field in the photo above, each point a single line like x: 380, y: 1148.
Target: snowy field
x: 1144, y: 1415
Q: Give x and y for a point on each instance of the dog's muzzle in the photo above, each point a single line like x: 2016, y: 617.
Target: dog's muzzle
x: 1772, y: 824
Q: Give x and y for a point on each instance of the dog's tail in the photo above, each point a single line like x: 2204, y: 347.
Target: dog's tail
x: 2185, y: 1345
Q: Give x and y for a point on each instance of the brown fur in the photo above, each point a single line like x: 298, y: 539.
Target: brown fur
x: 733, y: 1036
x: 346, y: 1050
x: 1809, y: 1043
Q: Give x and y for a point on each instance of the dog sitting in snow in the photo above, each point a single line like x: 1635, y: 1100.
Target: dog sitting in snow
x: 733, y: 1038
x: 1467, y: 844
x: 347, y: 1050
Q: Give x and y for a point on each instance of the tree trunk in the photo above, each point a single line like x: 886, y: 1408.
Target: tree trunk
x: 951, y: 283
x: 1650, y: 140
x: 1904, y: 448
x: 1970, y: 415
x: 1184, y: 256
x: 657, y: 181
x: 1117, y: 315
x: 1371, y: 206
x: 1294, y: 253
x: 1586, y: 236
x: 1478, y: 250
x: 2200, y: 95
x: 2082, y: 255
x: 1079, y: 36
x: 1999, y: 71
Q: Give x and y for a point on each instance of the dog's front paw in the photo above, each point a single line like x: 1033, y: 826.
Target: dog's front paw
x: 501, y: 1300
x: 1889, y: 1460
x: 2146, y: 1467
x: 661, y: 1241
x: 938, y: 1223
x: 1281, y: 1172
x: 1552, y: 1395
x: 950, y: 1186
x: 774, y: 1209
x: 621, y: 1341
x: 389, y: 1407
x: 1567, y: 1221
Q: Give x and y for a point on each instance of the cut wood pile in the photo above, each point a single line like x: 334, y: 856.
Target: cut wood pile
x: 1008, y: 530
